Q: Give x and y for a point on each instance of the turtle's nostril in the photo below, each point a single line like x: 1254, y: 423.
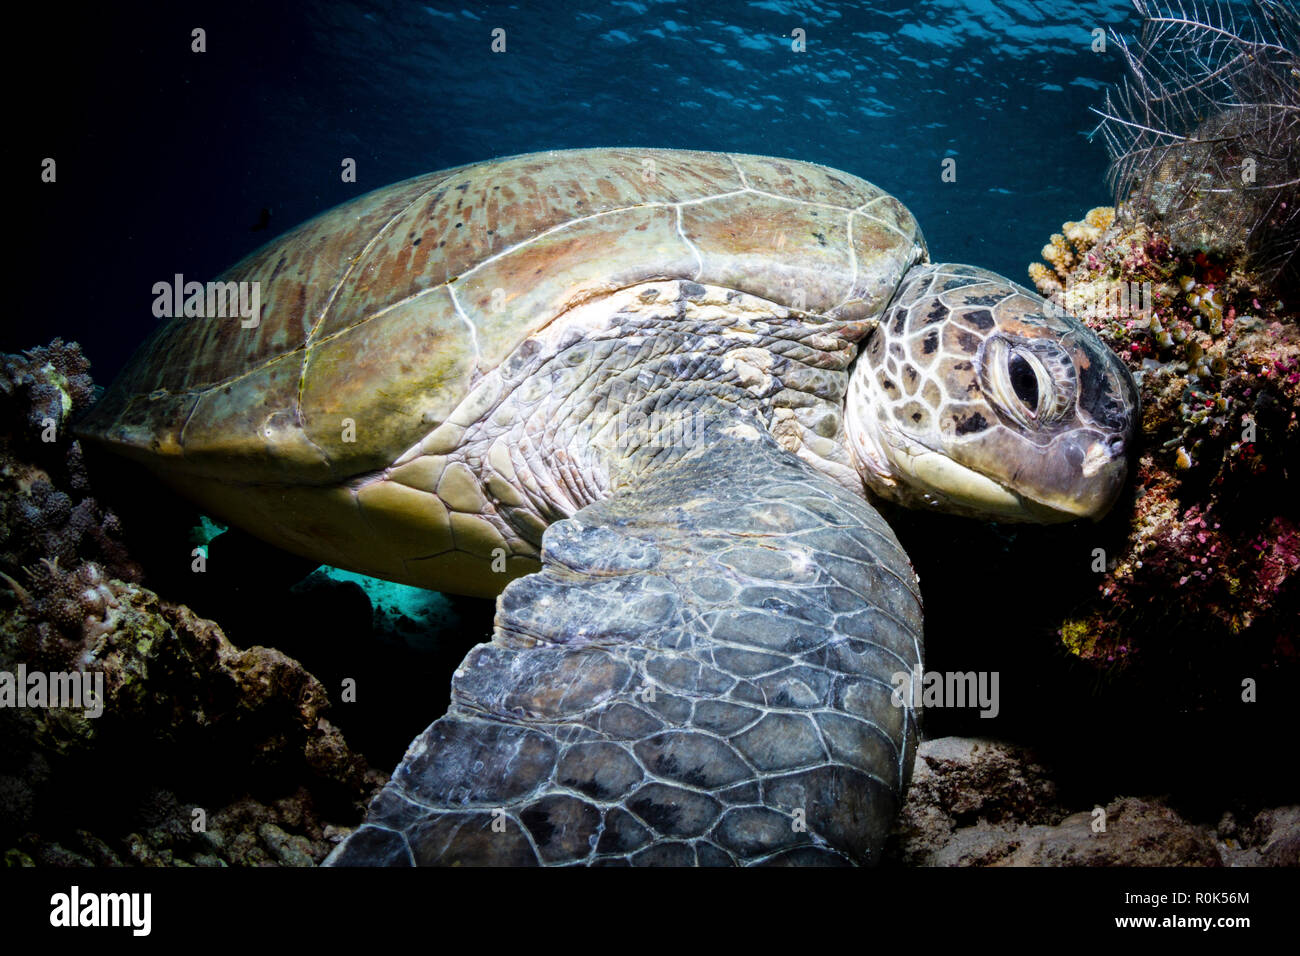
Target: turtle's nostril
x: 1116, y: 447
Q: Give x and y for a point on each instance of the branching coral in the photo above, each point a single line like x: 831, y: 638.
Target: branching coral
x: 1067, y: 248
x: 1204, y: 133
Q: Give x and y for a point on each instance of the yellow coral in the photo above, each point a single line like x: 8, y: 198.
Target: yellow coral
x: 1076, y: 636
x: 1059, y: 254
x: 1045, y: 279
x: 1100, y: 217
x: 1084, y: 235
x: 1081, y: 234
x: 1066, y: 249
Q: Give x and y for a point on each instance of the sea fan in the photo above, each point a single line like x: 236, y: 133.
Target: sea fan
x: 1204, y: 131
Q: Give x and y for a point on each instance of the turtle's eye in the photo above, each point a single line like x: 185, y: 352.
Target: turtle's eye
x: 1029, y: 381
x: 1026, y: 383
x: 1023, y: 381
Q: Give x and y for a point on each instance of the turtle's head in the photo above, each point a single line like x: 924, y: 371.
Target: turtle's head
x: 977, y: 396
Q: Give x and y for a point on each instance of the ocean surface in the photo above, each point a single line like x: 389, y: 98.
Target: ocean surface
x: 166, y: 158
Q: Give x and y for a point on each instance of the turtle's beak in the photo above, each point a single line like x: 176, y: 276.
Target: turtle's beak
x: 1089, y: 473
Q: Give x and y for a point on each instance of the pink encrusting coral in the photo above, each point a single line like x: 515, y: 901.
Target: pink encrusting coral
x: 1204, y: 162
x: 1212, y: 553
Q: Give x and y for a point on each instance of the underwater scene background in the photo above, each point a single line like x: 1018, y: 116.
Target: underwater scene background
x: 1121, y: 686
x: 177, y: 153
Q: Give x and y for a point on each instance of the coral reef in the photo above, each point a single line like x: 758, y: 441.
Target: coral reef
x: 189, y: 722
x: 46, y: 510
x: 1217, y: 358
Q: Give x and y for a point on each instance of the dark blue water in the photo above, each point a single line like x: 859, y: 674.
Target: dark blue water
x: 166, y: 157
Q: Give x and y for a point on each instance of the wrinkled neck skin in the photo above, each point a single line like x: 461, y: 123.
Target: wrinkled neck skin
x: 627, y: 383
x: 622, y: 386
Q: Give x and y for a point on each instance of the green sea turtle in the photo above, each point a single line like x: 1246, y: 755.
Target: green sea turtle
x: 656, y: 389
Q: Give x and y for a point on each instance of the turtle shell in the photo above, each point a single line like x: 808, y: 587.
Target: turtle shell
x: 378, y: 316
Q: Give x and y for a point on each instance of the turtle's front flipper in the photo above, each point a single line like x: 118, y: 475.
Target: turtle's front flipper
x: 701, y: 673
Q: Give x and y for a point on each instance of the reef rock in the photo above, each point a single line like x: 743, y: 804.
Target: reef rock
x: 1137, y: 832
x: 981, y: 802
x: 965, y: 783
